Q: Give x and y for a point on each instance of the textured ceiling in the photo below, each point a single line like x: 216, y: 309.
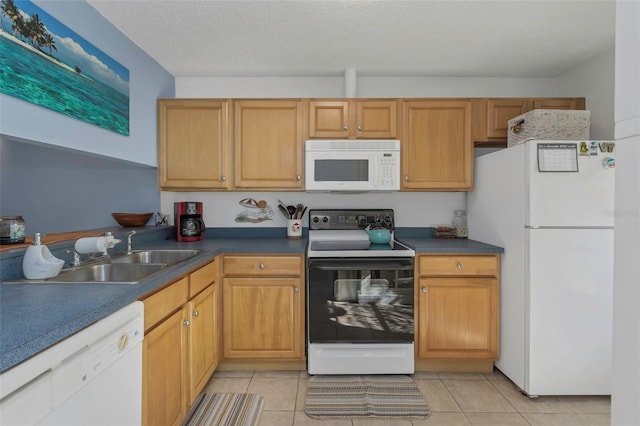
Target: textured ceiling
x: 517, y: 38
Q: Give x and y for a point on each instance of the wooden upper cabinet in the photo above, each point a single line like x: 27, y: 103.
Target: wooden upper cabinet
x: 193, y: 144
x: 365, y: 119
x: 499, y: 112
x: 491, y: 115
x: 559, y: 103
x: 269, y: 144
x: 437, y: 151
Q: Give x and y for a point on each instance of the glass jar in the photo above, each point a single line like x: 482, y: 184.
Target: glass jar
x: 459, y: 224
x: 12, y: 230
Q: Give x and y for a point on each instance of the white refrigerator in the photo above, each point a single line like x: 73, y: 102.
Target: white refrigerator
x: 550, y: 205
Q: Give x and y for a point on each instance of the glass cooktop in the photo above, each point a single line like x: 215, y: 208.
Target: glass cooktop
x: 353, y: 245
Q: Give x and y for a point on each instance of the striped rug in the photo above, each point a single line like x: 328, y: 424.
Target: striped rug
x: 225, y: 409
x: 342, y: 397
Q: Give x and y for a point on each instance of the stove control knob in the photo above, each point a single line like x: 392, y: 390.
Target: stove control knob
x: 325, y: 219
x: 315, y: 219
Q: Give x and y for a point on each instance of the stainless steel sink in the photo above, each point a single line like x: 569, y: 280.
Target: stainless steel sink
x: 166, y: 257
x: 121, y: 268
x: 113, y: 273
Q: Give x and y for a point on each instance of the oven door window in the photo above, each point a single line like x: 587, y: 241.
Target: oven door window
x: 358, y: 300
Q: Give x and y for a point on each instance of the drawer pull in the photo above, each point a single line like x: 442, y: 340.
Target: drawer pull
x: 196, y: 313
x: 424, y: 289
x: 187, y: 323
x: 460, y: 266
x: 296, y: 289
x: 261, y: 266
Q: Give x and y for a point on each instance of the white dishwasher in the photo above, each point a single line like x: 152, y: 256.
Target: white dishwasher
x: 93, y: 377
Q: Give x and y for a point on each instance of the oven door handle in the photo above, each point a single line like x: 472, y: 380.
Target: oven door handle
x: 359, y: 264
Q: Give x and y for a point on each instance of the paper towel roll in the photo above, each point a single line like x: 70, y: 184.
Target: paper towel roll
x: 91, y: 245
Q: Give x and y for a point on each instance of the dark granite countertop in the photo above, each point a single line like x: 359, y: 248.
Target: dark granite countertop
x: 35, y: 316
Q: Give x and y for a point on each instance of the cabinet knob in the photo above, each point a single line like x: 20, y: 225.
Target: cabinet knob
x: 298, y: 177
x: 261, y: 266
x: 345, y: 127
x: 296, y: 289
x: 424, y: 289
x: 359, y: 128
x: 406, y: 178
x: 196, y: 313
x: 223, y: 178
x: 459, y: 265
x: 187, y: 323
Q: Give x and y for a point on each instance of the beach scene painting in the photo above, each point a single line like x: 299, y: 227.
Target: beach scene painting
x: 47, y: 64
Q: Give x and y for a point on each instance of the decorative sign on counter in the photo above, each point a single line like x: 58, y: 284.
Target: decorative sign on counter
x: 557, y: 157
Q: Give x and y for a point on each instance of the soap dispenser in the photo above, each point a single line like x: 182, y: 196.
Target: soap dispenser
x: 39, y: 263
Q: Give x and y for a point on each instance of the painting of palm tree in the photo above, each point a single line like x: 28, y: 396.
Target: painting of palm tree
x: 47, y: 64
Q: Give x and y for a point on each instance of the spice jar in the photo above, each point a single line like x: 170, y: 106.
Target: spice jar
x: 459, y: 223
x: 11, y: 230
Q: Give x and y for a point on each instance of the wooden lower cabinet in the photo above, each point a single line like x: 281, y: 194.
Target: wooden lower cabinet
x: 203, y: 342
x: 458, y: 307
x: 165, y: 372
x: 262, y: 318
x: 181, y: 347
x: 263, y: 307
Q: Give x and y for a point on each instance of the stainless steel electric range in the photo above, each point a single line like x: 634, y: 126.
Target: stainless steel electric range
x: 360, y: 296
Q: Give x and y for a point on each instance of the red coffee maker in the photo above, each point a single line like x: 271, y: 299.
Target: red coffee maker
x: 188, y: 221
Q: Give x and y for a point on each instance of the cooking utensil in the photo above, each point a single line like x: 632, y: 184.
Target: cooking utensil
x: 292, y: 211
x: 284, y: 211
x: 302, y: 213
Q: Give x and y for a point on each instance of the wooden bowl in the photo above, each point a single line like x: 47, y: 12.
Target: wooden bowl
x: 131, y: 219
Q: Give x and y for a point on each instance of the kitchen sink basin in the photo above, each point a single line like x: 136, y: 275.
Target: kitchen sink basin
x: 121, y: 268
x: 113, y: 273
x: 165, y: 257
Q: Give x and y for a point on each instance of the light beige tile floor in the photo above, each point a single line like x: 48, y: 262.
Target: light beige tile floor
x: 453, y: 398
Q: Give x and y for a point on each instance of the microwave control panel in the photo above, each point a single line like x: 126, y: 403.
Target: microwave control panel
x: 388, y: 171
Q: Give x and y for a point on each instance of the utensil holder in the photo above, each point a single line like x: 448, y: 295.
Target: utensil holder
x: 294, y: 228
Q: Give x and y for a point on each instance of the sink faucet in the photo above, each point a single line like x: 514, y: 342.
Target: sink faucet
x: 129, y: 235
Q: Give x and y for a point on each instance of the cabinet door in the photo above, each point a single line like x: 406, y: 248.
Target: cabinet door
x: 365, y: 119
x: 437, y: 151
x: 165, y: 372
x: 262, y: 318
x: 193, y: 137
x: 499, y: 112
x: 269, y: 140
x: 329, y: 119
x: 376, y: 119
x: 458, y: 318
x: 202, y: 314
x: 559, y: 103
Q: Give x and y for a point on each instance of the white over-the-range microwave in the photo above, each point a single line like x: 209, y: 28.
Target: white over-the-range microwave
x: 352, y: 165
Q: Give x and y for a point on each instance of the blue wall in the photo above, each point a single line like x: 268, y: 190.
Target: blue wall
x: 63, y: 174
x: 58, y: 190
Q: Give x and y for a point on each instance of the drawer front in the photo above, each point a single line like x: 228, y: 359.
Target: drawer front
x: 161, y: 304
x: 463, y: 265
x: 201, y: 278
x: 262, y: 265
